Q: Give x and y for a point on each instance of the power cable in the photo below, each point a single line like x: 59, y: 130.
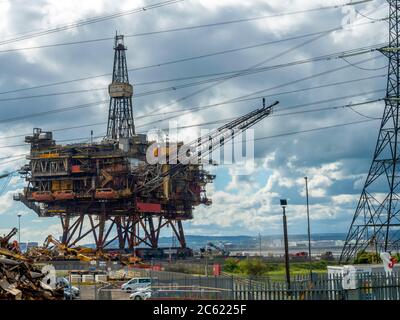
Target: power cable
x: 367, y: 16
x: 297, y: 106
x: 306, y: 78
x: 80, y: 23
x: 44, y: 113
x: 250, y: 68
x: 173, y: 61
x: 239, y: 99
x: 362, y: 68
x: 183, y: 112
x: 226, y: 119
x: 228, y: 75
x: 313, y: 76
x: 168, y: 30
x: 363, y: 115
x: 313, y: 129
x: 235, y: 100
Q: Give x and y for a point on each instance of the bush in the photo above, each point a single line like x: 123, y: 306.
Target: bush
x: 231, y: 265
x: 319, y: 265
x: 253, y: 267
x: 364, y: 257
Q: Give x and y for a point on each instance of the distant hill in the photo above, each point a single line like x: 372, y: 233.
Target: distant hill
x: 196, y: 241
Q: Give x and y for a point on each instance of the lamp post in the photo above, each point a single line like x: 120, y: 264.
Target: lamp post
x: 285, y: 237
x: 308, y: 228
x: 19, y: 227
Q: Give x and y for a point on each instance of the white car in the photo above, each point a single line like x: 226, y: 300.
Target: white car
x: 70, y: 292
x: 136, y: 283
x: 141, y: 294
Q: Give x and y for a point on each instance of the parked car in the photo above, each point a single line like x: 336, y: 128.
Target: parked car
x: 135, y: 283
x: 70, y: 292
x: 141, y: 294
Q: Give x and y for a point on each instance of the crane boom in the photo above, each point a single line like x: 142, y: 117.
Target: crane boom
x: 203, y: 146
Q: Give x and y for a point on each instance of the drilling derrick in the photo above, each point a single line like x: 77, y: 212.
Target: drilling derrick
x: 120, y: 116
x: 109, y: 190
x: 376, y: 222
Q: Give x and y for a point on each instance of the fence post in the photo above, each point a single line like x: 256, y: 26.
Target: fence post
x: 249, y: 288
x: 233, y: 291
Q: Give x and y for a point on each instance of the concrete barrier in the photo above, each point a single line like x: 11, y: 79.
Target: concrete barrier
x: 76, y: 278
x: 87, y: 278
x: 100, y: 278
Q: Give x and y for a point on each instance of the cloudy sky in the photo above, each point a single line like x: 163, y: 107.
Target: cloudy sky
x: 336, y: 160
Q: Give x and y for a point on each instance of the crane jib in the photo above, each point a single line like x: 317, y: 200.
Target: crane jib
x: 212, y: 141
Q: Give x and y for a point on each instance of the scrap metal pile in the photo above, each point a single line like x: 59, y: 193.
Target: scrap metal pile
x: 53, y: 250
x: 20, y: 279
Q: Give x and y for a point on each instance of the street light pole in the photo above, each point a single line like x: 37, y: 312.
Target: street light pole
x: 285, y: 237
x: 308, y: 228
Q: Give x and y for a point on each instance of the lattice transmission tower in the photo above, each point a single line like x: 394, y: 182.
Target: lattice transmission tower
x: 376, y: 222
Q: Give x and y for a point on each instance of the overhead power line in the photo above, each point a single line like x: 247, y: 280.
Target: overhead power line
x: 362, y: 68
x: 307, y: 78
x: 262, y: 91
x: 225, y: 75
x: 213, y: 105
x: 313, y: 129
x: 227, y: 119
x: 293, y: 107
x: 255, y: 139
x: 80, y: 23
x: 47, y: 112
x: 123, y: 13
x: 279, y: 114
x: 192, y: 94
x: 185, y: 111
x: 182, y: 60
x: 298, y: 80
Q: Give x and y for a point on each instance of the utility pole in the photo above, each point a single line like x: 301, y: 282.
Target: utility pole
x: 285, y: 238
x: 308, y: 228
x: 259, y: 238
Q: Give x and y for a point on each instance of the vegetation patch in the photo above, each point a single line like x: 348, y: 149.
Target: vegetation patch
x: 257, y: 267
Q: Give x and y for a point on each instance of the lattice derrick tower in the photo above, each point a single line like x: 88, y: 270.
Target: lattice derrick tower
x: 120, y: 116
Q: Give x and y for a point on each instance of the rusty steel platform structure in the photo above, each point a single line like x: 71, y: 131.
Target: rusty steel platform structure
x: 91, y: 187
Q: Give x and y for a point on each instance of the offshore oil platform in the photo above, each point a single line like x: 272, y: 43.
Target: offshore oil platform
x: 109, y: 190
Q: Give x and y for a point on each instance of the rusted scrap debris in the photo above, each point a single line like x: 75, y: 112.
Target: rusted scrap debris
x: 21, y: 280
x: 5, y: 241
